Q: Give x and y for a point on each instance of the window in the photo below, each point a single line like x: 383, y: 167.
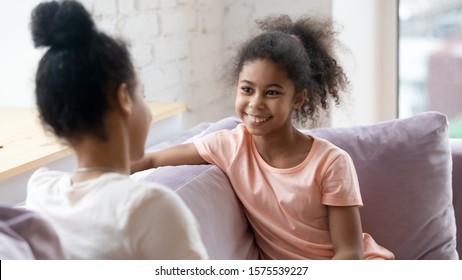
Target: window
x: 430, y: 59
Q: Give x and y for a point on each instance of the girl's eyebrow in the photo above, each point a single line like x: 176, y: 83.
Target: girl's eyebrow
x: 268, y: 85
x: 247, y: 82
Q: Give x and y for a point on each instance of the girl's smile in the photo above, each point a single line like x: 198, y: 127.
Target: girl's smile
x: 256, y: 120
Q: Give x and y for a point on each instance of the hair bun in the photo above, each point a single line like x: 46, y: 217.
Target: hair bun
x: 61, y: 24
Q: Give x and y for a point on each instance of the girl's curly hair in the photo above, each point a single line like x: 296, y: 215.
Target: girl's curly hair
x: 305, y: 49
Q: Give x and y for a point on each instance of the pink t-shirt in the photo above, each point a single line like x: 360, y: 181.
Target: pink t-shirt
x: 286, y: 207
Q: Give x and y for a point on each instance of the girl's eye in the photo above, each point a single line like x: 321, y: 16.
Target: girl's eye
x: 246, y: 89
x: 272, y: 93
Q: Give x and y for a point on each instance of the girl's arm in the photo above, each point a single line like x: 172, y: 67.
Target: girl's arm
x: 346, y: 232
x: 178, y: 155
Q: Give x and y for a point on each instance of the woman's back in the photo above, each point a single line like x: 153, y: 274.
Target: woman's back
x: 113, y: 217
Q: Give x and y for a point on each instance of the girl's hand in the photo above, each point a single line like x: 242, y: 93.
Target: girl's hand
x: 141, y: 164
x: 178, y: 155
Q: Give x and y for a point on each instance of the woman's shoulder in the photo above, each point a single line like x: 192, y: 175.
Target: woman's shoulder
x: 45, y: 178
x: 139, y: 193
x: 44, y: 173
x: 137, y: 190
x: 126, y: 195
x: 113, y: 186
x: 151, y: 190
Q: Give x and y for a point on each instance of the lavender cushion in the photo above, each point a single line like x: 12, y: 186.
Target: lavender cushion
x: 404, y: 168
x: 208, y: 193
x: 25, y: 236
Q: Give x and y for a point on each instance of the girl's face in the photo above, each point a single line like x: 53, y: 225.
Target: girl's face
x: 141, y: 121
x: 265, y: 97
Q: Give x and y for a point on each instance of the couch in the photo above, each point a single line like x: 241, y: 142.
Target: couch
x: 25, y: 235
x: 410, y: 176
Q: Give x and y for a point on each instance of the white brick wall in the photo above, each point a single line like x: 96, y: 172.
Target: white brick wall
x: 180, y: 46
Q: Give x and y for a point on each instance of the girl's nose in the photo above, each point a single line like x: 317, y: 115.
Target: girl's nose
x: 256, y: 100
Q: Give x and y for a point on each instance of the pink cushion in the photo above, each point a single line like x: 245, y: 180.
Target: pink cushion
x: 404, y: 168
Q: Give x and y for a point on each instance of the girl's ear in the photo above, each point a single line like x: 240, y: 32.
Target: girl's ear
x: 299, y: 98
x: 124, y: 101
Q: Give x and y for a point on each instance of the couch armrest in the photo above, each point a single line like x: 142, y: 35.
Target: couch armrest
x: 456, y: 152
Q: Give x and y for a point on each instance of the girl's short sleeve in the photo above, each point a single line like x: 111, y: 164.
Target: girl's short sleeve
x: 221, y: 147
x: 340, y: 185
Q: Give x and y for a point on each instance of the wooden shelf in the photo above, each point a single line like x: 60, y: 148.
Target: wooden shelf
x: 25, y: 145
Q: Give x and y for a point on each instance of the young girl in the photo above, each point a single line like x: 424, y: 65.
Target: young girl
x: 300, y: 193
x: 88, y: 95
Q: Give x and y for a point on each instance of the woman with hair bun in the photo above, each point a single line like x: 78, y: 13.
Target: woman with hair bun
x: 88, y: 95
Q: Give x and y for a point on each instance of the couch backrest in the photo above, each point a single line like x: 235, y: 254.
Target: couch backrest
x: 405, y: 174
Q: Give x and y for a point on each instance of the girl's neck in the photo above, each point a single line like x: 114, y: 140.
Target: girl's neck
x: 283, y: 150
x: 276, y: 140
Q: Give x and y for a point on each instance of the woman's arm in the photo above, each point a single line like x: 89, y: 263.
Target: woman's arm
x: 346, y: 232
x: 161, y: 226
x: 178, y: 155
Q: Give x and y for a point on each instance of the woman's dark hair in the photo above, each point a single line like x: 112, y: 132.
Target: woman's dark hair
x: 304, y: 48
x: 78, y: 76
